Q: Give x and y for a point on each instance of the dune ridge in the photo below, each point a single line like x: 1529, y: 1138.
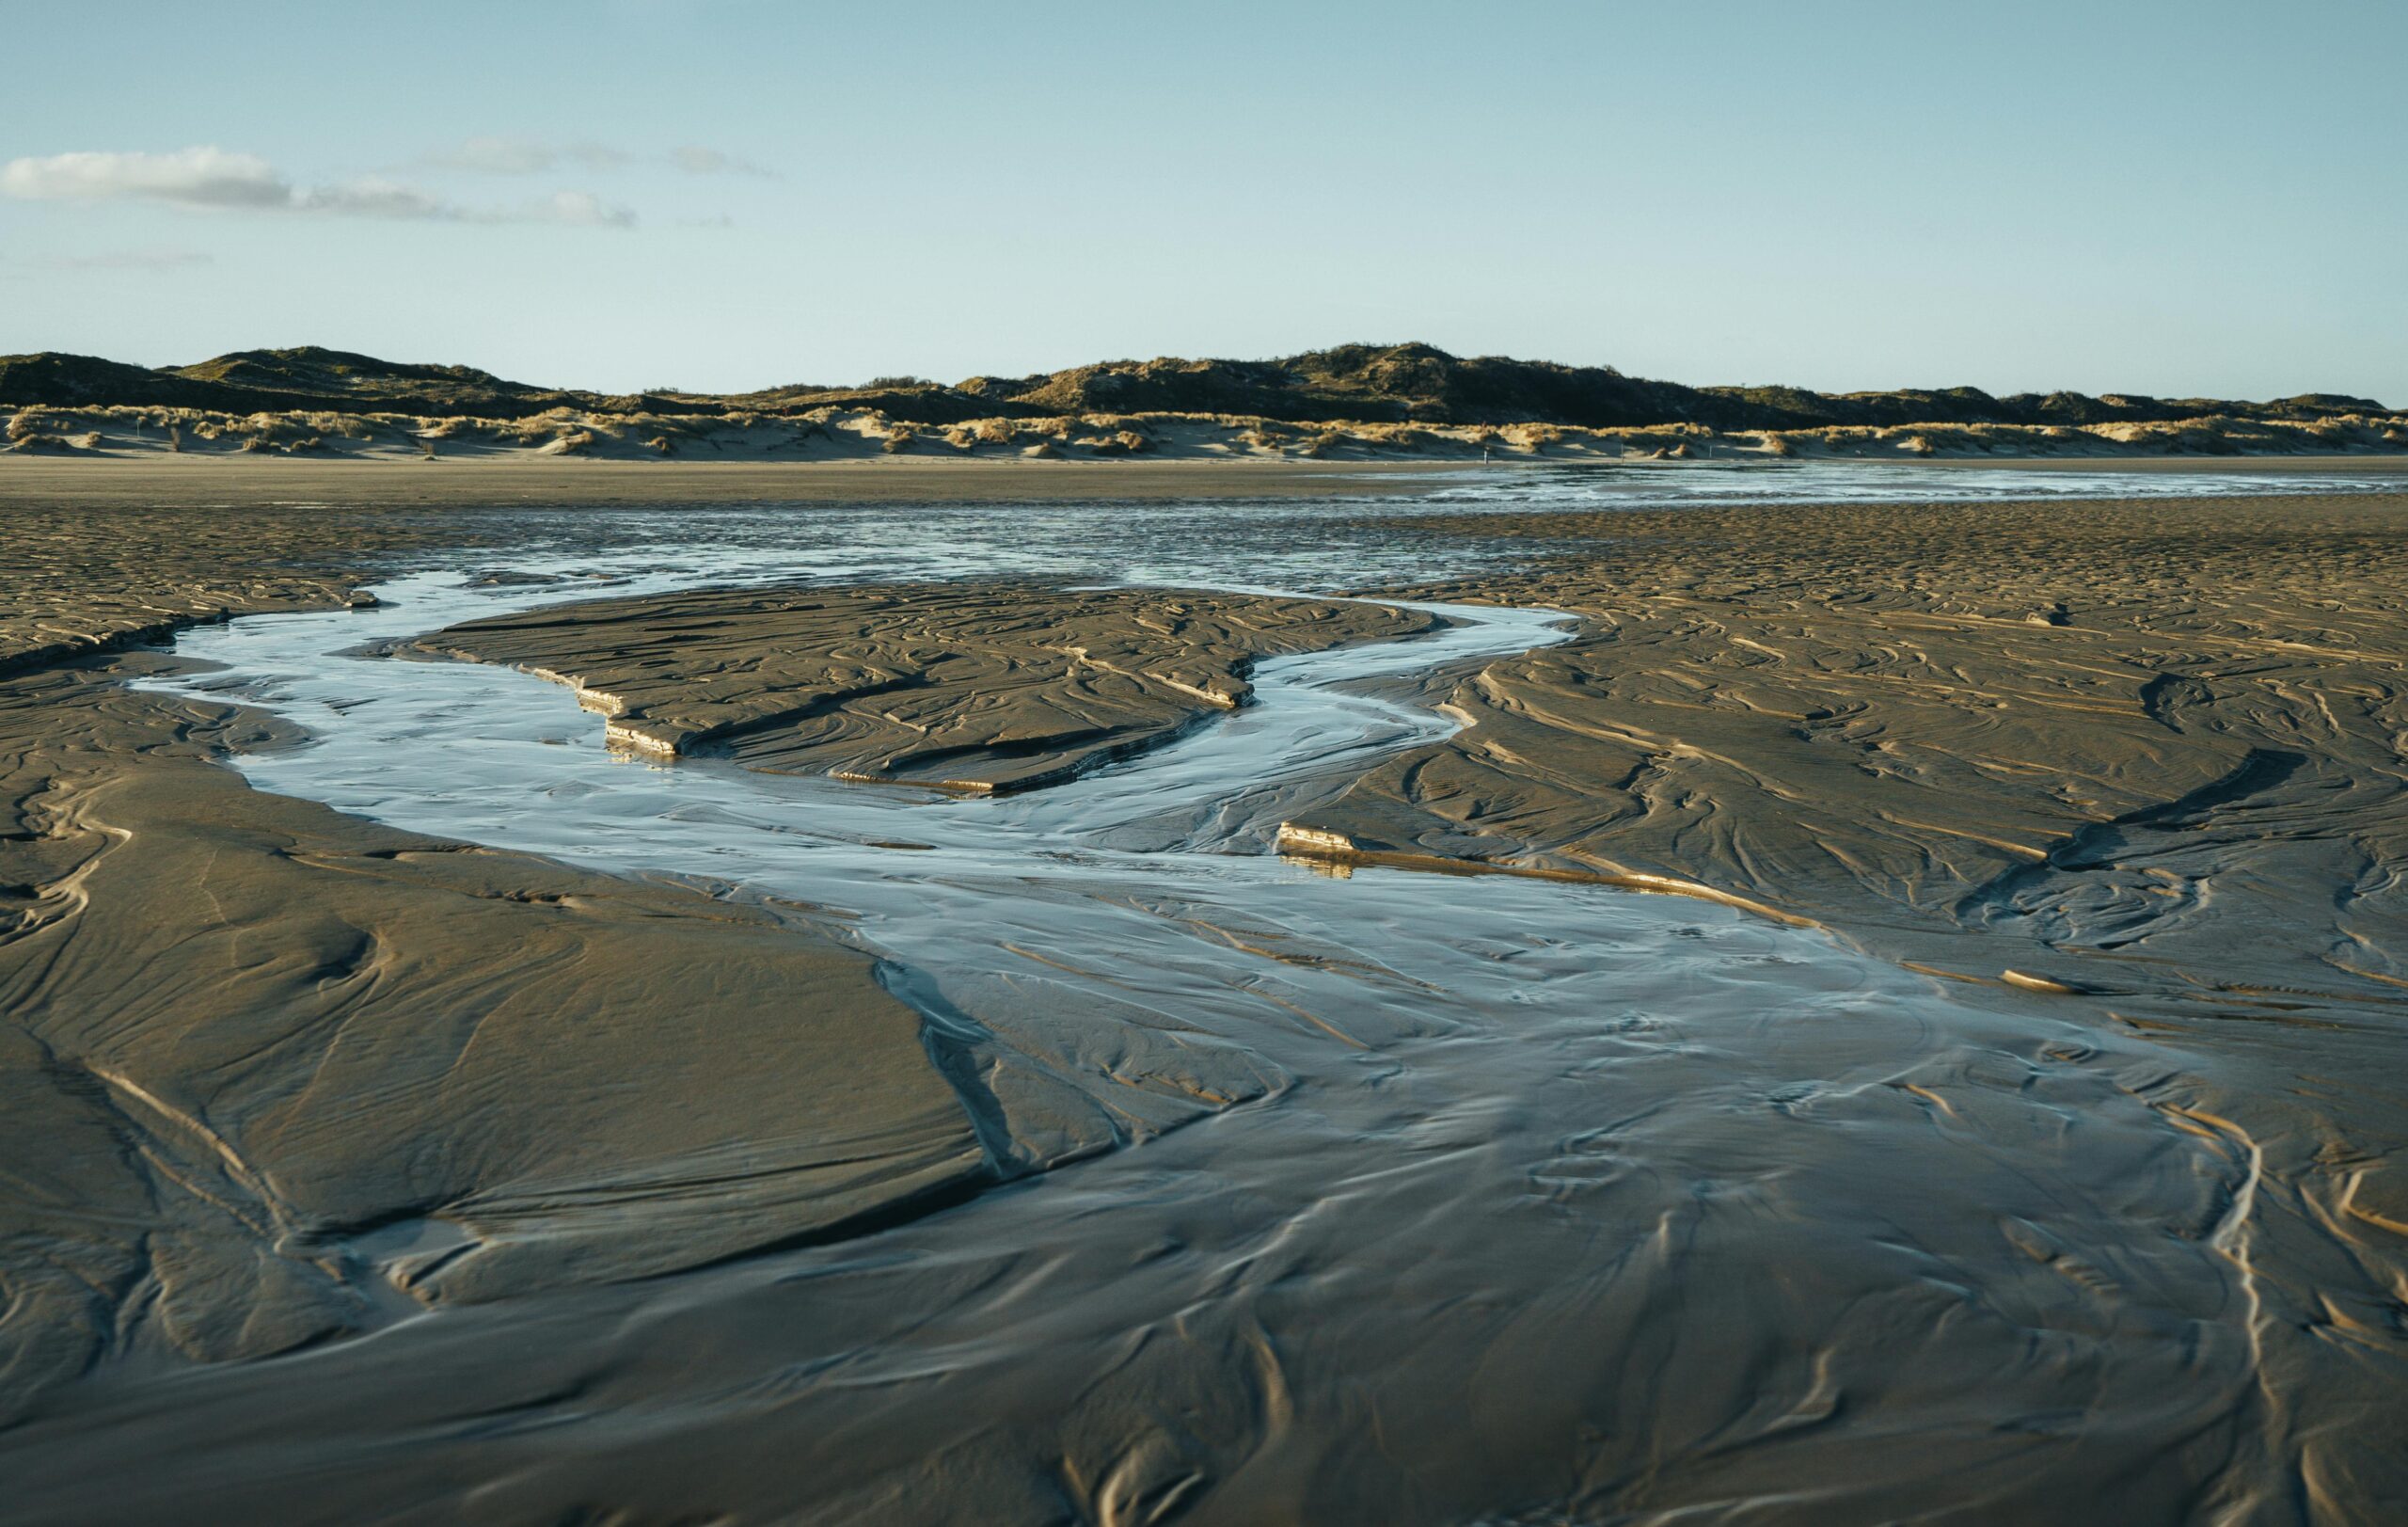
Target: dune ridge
x: 838, y: 433
x: 1348, y: 402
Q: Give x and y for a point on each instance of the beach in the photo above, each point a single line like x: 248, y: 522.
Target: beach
x: 827, y: 965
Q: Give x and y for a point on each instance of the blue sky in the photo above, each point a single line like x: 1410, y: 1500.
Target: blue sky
x: 2192, y: 199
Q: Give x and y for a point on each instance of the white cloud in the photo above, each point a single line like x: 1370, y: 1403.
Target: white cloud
x: 578, y: 209
x: 374, y: 198
x: 696, y: 160
x: 187, y: 178
x: 214, y: 179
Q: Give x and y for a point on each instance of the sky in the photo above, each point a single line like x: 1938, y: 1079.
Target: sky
x: 2201, y: 198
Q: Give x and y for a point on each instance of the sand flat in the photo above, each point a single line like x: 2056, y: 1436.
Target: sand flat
x: 159, y: 483
x: 253, y: 1041
x: 146, y: 482
x: 278, y: 1075
x: 982, y: 688
x: 2102, y: 723
x: 2126, y: 771
x: 2138, y: 758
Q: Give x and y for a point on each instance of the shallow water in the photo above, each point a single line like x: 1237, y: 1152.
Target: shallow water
x: 1285, y: 543
x: 1738, y: 484
x: 1397, y: 1196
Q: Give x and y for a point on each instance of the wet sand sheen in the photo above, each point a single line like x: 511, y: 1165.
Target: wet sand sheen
x: 247, y: 1032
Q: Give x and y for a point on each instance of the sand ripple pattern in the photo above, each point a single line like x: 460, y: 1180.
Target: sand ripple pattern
x: 1389, y: 1196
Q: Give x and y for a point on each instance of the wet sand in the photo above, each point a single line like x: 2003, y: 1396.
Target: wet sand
x: 2126, y: 732
x: 2142, y: 754
x: 2140, y: 759
x: 77, y: 578
x: 2136, y: 758
x: 146, y: 482
x: 256, y: 1045
x: 988, y: 688
x: 1394, y: 1196
x: 253, y: 1045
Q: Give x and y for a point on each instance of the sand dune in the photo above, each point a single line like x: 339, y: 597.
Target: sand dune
x: 856, y: 434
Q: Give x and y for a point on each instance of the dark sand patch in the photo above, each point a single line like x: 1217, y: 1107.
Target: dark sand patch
x: 274, y: 1073
x: 76, y: 579
x: 980, y: 688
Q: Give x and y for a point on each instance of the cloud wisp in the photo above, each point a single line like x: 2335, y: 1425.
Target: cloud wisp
x: 525, y: 157
x: 536, y: 156
x: 694, y: 159
x: 213, y: 180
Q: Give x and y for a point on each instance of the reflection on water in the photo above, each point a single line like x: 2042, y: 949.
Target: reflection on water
x: 1307, y: 545
x: 1735, y: 484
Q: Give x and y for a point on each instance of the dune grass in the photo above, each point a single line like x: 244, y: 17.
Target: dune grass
x: 836, y: 432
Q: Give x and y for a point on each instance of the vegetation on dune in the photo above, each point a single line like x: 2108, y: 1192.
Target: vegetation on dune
x: 306, y: 377
x: 1357, y: 384
x: 838, y: 432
